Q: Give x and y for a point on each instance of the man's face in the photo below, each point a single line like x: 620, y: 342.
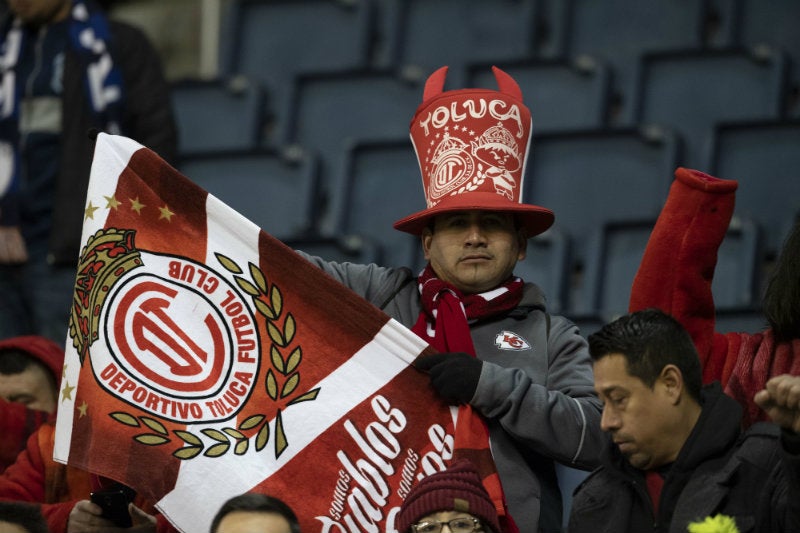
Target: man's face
x: 40, y: 11
x: 253, y: 522
x: 475, y: 251
x: 464, y: 522
x: 640, y: 419
x: 33, y: 387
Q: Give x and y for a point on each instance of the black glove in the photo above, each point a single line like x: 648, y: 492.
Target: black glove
x: 454, y: 376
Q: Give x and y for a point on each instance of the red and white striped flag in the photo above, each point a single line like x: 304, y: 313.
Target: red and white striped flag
x: 206, y: 359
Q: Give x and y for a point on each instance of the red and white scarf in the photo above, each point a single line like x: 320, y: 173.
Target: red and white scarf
x: 447, y: 312
x: 444, y: 324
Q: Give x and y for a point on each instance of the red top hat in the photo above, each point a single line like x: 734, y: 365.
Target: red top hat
x: 472, y: 145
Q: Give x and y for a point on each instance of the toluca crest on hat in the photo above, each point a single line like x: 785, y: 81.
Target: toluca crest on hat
x: 472, y: 146
x: 458, y: 488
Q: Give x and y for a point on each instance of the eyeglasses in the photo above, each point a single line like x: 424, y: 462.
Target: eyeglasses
x: 456, y: 525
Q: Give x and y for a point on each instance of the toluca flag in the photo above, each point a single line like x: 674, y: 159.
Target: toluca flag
x: 206, y: 359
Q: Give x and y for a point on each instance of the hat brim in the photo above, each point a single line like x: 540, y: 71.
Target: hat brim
x: 532, y: 218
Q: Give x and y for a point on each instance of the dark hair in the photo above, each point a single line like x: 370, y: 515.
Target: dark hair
x: 13, y: 361
x: 649, y: 340
x: 781, y: 303
x: 26, y: 515
x: 256, y: 503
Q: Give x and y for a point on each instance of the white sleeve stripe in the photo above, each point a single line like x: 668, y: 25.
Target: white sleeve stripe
x: 583, y: 430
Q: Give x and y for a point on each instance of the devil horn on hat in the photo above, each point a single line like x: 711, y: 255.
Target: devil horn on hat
x: 506, y: 84
x: 434, y: 86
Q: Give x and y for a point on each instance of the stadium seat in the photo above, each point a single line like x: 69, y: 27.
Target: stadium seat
x: 774, y: 24
x: 692, y: 91
x: 561, y: 95
x: 588, y: 177
x: 617, y: 250
x: 218, y: 114
x: 275, y: 190
x: 737, y: 276
x: 275, y: 40
x: 588, y: 323
x: 433, y: 33
x: 353, y: 248
x: 568, y: 480
x: 747, y: 319
x: 619, y: 31
x: 547, y: 265
x: 331, y: 112
x: 380, y: 183
x: 764, y: 158
x: 615, y: 255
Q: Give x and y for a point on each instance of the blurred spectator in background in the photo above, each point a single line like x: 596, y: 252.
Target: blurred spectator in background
x: 66, y: 70
x: 30, y: 371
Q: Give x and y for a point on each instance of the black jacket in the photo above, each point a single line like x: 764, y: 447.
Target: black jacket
x: 753, y: 477
x: 147, y: 118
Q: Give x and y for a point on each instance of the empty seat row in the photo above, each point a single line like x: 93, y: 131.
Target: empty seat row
x: 276, y: 41
x: 620, y: 179
x: 690, y: 92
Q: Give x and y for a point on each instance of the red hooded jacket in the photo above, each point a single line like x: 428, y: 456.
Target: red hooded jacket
x: 17, y: 422
x: 676, y: 274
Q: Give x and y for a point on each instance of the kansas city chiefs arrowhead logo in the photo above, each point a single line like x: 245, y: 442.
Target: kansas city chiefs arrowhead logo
x: 508, y: 340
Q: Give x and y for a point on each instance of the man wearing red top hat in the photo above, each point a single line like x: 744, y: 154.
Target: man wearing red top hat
x: 526, y: 372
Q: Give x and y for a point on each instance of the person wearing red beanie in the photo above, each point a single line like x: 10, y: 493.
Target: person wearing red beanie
x: 455, y: 497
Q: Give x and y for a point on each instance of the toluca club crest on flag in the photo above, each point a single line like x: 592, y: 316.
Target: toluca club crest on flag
x: 206, y: 359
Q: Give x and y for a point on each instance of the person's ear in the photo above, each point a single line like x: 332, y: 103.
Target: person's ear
x: 671, y: 379
x: 522, y: 243
x: 426, y: 238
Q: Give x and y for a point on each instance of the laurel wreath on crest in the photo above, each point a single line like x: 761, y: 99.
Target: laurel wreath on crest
x: 281, y: 381
x: 474, y: 183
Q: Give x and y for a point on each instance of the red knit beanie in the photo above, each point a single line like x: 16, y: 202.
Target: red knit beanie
x: 458, y: 488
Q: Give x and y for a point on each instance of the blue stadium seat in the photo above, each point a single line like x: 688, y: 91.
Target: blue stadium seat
x: 568, y: 481
x: 434, y: 33
x: 385, y: 48
x: 561, y: 95
x: 774, y: 24
x: 352, y: 248
x: 218, y: 114
x: 275, y: 40
x: 746, y: 319
x: 693, y: 91
x: 547, y: 265
x: 617, y: 250
x: 619, y: 31
x: 331, y: 112
x: 764, y: 157
x: 588, y: 323
x: 275, y: 190
x: 588, y: 177
x: 380, y: 183
x: 738, y: 272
